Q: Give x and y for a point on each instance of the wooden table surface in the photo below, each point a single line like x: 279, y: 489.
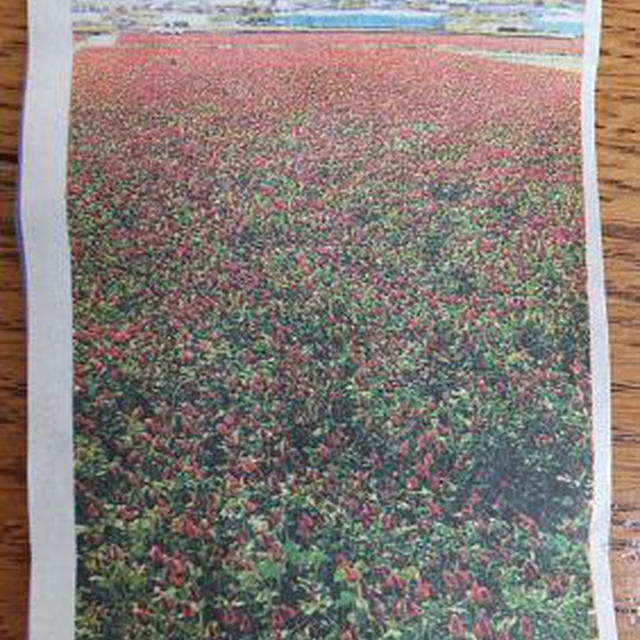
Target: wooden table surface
x: 618, y: 124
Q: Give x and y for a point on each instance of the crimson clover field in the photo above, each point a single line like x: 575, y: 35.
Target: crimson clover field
x: 331, y: 338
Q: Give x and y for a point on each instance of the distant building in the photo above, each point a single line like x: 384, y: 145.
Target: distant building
x: 505, y: 9
x: 459, y: 5
x: 181, y: 21
x: 91, y: 21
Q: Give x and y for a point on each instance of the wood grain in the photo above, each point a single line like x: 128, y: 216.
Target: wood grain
x: 618, y: 135
x: 618, y: 125
x: 14, y: 549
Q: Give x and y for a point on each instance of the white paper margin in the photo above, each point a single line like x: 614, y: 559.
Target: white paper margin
x: 599, y: 333
x: 47, y: 275
x: 47, y: 268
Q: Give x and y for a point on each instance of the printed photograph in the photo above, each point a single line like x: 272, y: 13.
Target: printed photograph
x: 331, y: 325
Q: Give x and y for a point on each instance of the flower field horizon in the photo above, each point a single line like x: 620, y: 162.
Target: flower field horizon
x: 331, y: 342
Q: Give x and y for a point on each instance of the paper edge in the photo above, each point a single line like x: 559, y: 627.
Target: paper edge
x: 42, y: 222
x: 599, y: 531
